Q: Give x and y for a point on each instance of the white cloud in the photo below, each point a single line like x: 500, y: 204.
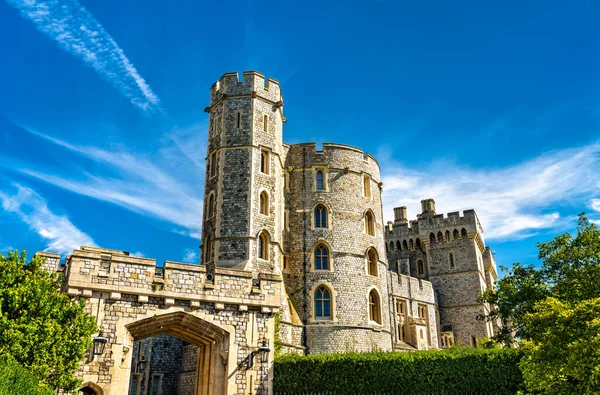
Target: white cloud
x: 595, y: 203
x: 190, y: 256
x: 76, y: 31
x: 166, y: 185
x: 61, y: 235
x: 512, y: 202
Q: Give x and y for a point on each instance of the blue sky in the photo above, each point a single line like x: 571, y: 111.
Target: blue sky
x: 485, y: 105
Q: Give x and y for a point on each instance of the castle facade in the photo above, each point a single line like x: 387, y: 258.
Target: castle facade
x: 293, y: 238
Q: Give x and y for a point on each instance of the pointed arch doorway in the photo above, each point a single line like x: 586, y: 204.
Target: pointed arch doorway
x: 211, y: 341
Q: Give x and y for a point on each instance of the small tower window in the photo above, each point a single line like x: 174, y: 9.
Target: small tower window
x: 322, y: 303
x: 320, y: 216
x: 420, y: 267
x: 265, y: 123
x: 264, y: 203
x: 401, y: 332
x: 321, y: 258
x: 207, y: 245
x: 448, y: 236
x: 264, y: 162
x: 391, y: 246
x: 239, y: 119
x: 404, y: 245
x: 211, y: 206
x: 455, y: 234
x: 213, y: 164
x: 463, y: 233
x: 263, y: 246
x: 451, y: 260
x: 372, y: 262
x: 369, y: 223
x: 320, y: 181
x: 411, y: 245
x: 367, y: 186
x: 374, y: 307
x: 440, y: 237
x: 431, y: 238
x: 474, y: 341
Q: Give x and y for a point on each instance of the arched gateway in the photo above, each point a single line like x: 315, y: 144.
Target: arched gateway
x: 227, y: 317
x: 212, y: 343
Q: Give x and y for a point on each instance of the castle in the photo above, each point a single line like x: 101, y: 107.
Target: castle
x: 289, y: 233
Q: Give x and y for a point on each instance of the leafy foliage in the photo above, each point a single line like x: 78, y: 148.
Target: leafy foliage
x: 40, y: 327
x: 555, y: 311
x: 563, y: 355
x: 14, y: 379
x: 449, y: 371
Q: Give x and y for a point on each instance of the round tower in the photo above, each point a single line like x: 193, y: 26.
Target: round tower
x: 337, y: 277
x: 242, y: 220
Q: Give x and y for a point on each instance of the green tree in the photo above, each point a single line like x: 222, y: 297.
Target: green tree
x: 41, y: 328
x: 555, y: 311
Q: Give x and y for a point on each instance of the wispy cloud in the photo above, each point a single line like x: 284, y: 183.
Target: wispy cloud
x: 190, y: 256
x: 166, y: 185
x: 513, y: 202
x: 59, y: 232
x: 76, y: 31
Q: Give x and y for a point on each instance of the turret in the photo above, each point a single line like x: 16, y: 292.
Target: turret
x: 427, y: 208
x: 400, y: 215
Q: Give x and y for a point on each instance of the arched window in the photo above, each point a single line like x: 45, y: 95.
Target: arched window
x: 420, y: 267
x: 374, y: 307
x: 211, y: 206
x: 404, y: 245
x: 463, y: 233
x: 372, y: 261
x: 369, y: 223
x: 391, y: 246
x: 455, y: 234
x: 401, y: 332
x: 263, y: 245
x: 320, y: 180
x: 322, y: 303
x: 321, y: 258
x: 451, y: 260
x: 440, y: 237
x: 320, y: 216
x: 432, y: 237
x: 264, y: 203
x: 418, y: 243
x: 207, y: 249
x: 411, y: 245
x: 448, y: 236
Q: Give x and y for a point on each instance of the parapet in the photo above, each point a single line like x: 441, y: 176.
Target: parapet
x: 424, y: 224
x: 252, y: 84
x: 334, y: 155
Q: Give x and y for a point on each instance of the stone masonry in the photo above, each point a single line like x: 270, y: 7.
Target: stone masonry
x: 288, y: 230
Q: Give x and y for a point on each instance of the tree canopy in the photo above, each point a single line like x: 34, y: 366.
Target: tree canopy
x: 41, y: 328
x: 555, y: 312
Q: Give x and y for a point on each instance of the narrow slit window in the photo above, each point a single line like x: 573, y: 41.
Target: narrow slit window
x: 264, y: 162
x: 213, y: 164
x: 239, y: 119
x: 367, y: 186
x: 265, y: 123
x: 320, y: 181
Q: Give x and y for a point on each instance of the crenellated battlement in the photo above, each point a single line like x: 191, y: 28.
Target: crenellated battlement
x: 423, y: 225
x: 334, y: 155
x: 252, y: 84
x: 97, y: 270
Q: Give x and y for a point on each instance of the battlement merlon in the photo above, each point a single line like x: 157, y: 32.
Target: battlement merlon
x: 252, y: 84
x: 424, y: 225
x: 333, y: 155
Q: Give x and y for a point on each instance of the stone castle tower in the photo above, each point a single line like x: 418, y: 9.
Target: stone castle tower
x: 449, y: 252
x: 243, y: 194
